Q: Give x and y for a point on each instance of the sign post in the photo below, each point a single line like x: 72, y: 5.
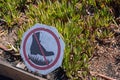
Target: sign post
x: 42, y: 49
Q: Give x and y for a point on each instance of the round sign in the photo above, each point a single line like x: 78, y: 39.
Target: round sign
x: 42, y: 49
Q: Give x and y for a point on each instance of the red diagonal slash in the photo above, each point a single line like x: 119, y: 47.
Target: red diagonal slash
x: 40, y: 48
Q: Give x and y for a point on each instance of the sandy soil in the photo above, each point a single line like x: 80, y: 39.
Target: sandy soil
x: 106, y: 58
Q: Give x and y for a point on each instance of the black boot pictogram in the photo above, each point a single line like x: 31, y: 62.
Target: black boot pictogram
x: 35, y: 51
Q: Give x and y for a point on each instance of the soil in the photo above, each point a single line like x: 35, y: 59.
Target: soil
x: 106, y: 58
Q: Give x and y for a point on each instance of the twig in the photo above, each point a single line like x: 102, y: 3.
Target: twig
x: 12, y: 52
x: 3, y: 48
x: 101, y: 75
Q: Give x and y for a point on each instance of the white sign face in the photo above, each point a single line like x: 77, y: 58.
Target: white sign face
x: 42, y: 49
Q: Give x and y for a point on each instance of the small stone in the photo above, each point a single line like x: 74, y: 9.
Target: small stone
x: 21, y: 65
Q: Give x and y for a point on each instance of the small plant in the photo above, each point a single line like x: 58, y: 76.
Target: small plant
x: 9, y: 12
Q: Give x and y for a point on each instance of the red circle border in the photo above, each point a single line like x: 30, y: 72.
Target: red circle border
x: 58, y: 46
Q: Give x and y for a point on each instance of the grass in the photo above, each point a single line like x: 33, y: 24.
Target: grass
x: 77, y: 28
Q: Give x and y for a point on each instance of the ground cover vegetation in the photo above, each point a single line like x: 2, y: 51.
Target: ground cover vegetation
x: 79, y: 22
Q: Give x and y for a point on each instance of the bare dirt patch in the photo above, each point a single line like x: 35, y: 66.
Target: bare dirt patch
x: 106, y: 58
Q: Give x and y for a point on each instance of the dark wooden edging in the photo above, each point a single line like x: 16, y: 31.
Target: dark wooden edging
x: 16, y: 74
